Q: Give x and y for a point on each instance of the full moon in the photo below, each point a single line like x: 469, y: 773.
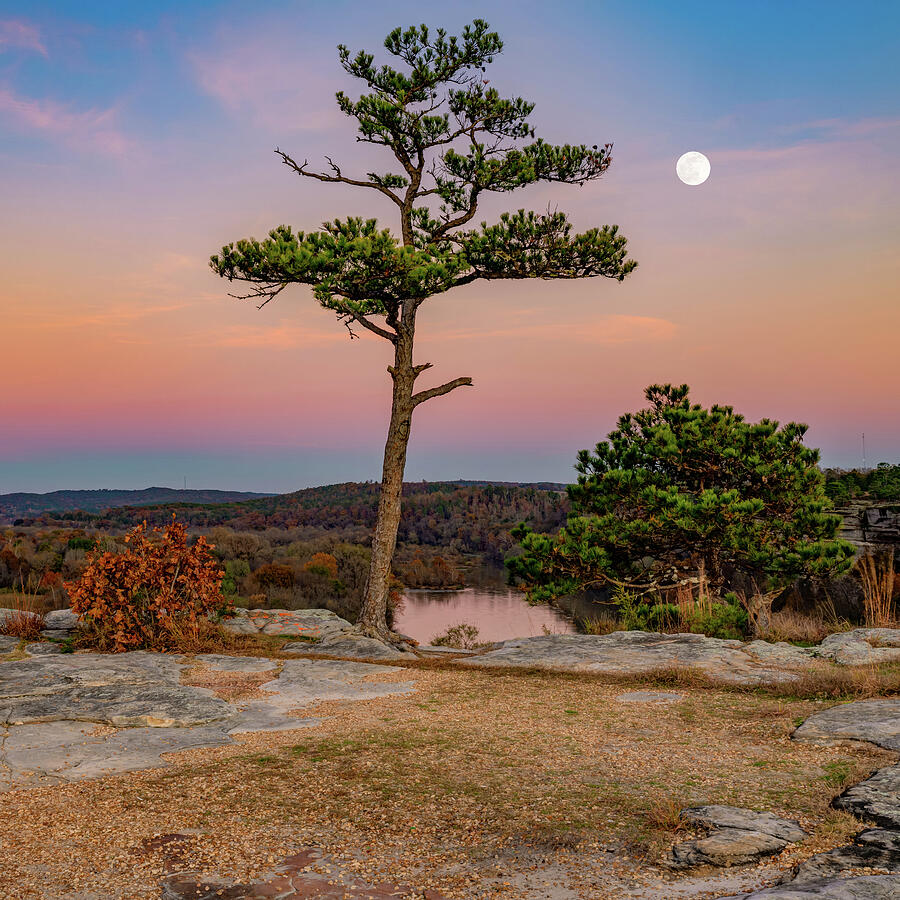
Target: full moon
x: 692, y: 167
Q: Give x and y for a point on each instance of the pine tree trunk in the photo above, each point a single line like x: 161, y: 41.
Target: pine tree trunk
x: 373, y: 614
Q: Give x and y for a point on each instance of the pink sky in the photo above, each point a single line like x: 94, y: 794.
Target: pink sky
x: 772, y: 287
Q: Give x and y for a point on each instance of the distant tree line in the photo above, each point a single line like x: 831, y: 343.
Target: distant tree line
x: 881, y: 483
x: 458, y: 519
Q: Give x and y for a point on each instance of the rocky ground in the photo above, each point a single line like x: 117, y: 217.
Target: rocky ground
x: 80, y: 722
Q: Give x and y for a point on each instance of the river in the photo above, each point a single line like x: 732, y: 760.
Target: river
x: 498, y: 612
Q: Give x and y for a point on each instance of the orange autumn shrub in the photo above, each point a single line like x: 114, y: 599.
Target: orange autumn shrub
x: 322, y: 564
x: 148, y: 594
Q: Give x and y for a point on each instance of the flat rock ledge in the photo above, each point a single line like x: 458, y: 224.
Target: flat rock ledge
x: 832, y: 875
x: 639, y: 652
x: 323, y: 633
x: 83, y: 715
x: 865, y: 887
x: 736, y: 837
x: 320, y: 632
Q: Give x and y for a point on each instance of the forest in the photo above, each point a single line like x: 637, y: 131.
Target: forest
x: 881, y: 484
x: 311, y: 547
x: 305, y: 549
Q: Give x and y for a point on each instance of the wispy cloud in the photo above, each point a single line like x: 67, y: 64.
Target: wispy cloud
x: 848, y: 128
x: 92, y: 129
x: 263, y: 80
x: 15, y: 33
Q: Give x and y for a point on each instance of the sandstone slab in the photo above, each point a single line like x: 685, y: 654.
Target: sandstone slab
x: 861, y: 646
x: 126, y: 689
x: 73, y: 716
x: 719, y: 816
x: 61, y: 620
x: 737, y: 837
x: 308, y: 623
x: 635, y: 652
x: 304, y: 682
x: 867, y: 887
x: 875, y: 848
x: 875, y: 721
x: 724, y: 847
x: 877, y: 798
x: 349, y: 646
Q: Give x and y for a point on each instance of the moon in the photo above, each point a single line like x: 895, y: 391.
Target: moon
x: 692, y: 167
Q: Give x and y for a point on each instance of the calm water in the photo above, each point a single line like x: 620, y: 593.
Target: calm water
x: 499, y: 613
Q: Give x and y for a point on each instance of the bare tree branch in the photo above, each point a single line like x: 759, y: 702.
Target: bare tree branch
x: 439, y: 391
x: 366, y: 323
x: 300, y: 169
x: 267, y: 291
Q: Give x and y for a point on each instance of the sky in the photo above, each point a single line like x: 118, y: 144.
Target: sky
x: 137, y: 138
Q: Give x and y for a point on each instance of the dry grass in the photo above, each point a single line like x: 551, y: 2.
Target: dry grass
x: 803, y: 628
x: 457, y: 787
x: 231, y: 686
x: 876, y: 575
x: 25, y: 621
x: 200, y: 636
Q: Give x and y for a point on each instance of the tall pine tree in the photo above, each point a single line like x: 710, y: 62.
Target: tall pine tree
x: 454, y: 140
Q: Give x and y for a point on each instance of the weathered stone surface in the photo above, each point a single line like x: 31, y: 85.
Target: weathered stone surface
x: 56, y: 634
x: 649, y: 697
x: 867, y: 887
x: 861, y: 646
x: 725, y: 847
x: 635, y: 652
x: 350, y: 646
x: 877, y: 798
x: 874, y: 849
x: 738, y: 837
x: 303, y: 682
x: 875, y: 721
x: 430, y: 649
x: 126, y: 689
x: 311, y: 623
x: 718, y: 816
x: 61, y: 619
x: 223, y: 663
x: 780, y: 652
x: 883, y: 838
x: 48, y: 752
x: 57, y: 709
x: 7, y: 643
x: 43, y: 649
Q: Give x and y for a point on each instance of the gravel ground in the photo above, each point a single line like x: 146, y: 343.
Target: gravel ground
x: 476, y: 785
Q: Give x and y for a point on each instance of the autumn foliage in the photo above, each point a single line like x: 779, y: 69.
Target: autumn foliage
x: 147, y: 595
x: 322, y: 564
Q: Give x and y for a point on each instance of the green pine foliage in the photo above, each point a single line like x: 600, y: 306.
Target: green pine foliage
x: 677, y: 489
x: 454, y: 140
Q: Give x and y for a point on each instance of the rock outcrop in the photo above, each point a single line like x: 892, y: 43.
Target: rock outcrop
x: 51, y: 707
x: 736, y: 837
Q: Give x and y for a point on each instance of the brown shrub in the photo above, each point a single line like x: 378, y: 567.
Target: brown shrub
x: 23, y: 622
x: 143, y: 597
x: 273, y: 575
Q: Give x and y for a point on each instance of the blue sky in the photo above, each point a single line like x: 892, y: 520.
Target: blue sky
x: 136, y: 138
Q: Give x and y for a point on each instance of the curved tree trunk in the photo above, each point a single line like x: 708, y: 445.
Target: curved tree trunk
x: 373, y: 614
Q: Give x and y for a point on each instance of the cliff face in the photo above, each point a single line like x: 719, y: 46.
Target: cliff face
x: 870, y: 522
